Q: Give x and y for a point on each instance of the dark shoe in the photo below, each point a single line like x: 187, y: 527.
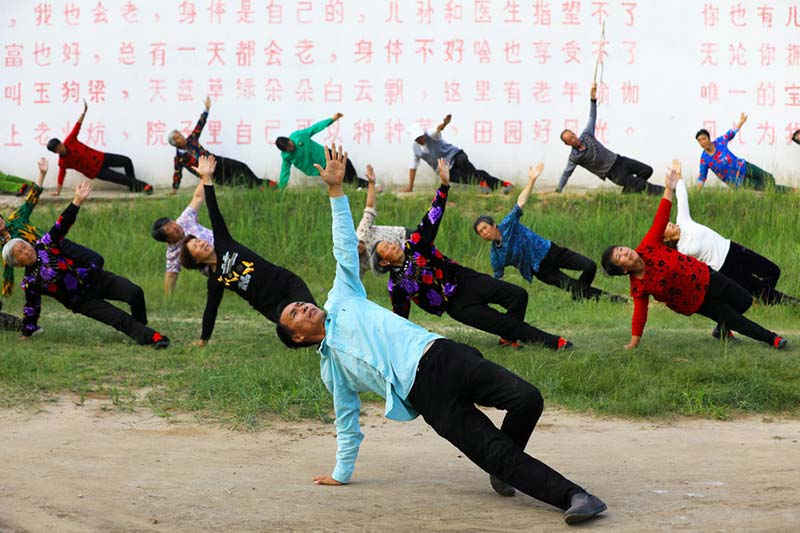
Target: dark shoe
x: 583, y: 506
x: 160, y: 341
x: 509, y: 344
x: 506, y: 187
x: 564, y: 344
x: 22, y: 191
x: 501, y: 487
x: 779, y: 343
x: 148, y: 189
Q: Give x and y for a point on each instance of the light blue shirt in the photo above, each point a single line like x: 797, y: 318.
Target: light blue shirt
x: 366, y: 347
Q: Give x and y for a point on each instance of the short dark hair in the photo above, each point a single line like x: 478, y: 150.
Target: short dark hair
x: 561, y: 135
x: 700, y: 132
x: 285, y: 334
x: 608, y: 267
x: 483, y: 218
x: 158, y: 232
x: 375, y: 261
x: 282, y: 143
x: 794, y: 136
x: 187, y: 259
x: 52, y: 144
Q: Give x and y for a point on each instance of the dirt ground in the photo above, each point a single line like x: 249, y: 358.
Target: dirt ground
x: 75, y: 467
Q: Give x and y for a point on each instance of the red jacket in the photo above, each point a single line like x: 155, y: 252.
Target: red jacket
x: 80, y: 157
x: 680, y: 281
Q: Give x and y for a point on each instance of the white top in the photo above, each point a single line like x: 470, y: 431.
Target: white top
x: 697, y: 240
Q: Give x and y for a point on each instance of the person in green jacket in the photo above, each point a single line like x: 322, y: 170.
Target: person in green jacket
x: 14, y: 185
x: 299, y: 150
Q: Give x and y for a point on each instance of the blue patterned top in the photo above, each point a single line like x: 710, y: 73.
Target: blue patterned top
x: 520, y: 247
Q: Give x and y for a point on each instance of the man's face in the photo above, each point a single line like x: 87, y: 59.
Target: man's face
x: 24, y: 254
x: 390, y: 253
x: 420, y: 140
x: 796, y: 137
x: 570, y: 139
x: 290, y: 146
x: 179, y: 139
x: 201, y: 250
x: 703, y: 141
x: 61, y: 149
x: 487, y: 231
x: 173, y: 232
x: 304, y: 320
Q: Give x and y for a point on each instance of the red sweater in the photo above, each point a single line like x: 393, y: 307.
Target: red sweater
x: 80, y: 157
x: 680, y: 281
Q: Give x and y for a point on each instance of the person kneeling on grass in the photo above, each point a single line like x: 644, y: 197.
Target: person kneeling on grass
x: 754, y: 272
x: 365, y: 347
x: 80, y: 286
x: 235, y: 267
x: 516, y: 245
x: 418, y: 271
x: 684, y: 284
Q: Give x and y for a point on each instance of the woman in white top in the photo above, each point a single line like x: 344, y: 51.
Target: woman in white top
x: 752, y: 271
x: 369, y: 234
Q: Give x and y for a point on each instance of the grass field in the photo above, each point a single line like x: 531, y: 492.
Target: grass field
x: 245, y: 374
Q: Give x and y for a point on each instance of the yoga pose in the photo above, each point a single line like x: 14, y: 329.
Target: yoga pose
x: 684, y: 284
x: 590, y: 153
x: 369, y: 234
x: 173, y: 232
x: 731, y: 170
x: 752, y: 271
x: 430, y: 147
x: 18, y: 226
x: 188, y: 151
x: 235, y: 267
x: 364, y: 347
x: 418, y: 271
x: 300, y: 150
x: 516, y: 245
x: 81, y: 286
x: 73, y: 154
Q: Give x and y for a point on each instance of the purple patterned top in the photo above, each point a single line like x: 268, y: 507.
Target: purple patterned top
x: 427, y: 277
x: 54, y: 274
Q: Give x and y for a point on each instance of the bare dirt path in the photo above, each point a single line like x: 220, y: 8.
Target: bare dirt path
x: 84, y: 468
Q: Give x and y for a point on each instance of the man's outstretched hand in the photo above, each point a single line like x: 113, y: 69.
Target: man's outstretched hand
x: 333, y: 173
x: 325, y: 480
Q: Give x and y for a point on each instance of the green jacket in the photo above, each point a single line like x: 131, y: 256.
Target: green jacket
x: 306, y: 152
x: 19, y: 226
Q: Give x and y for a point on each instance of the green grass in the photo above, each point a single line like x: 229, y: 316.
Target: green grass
x: 245, y: 375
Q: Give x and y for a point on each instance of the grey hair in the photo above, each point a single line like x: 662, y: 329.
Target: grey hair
x: 8, y: 252
x: 171, y: 138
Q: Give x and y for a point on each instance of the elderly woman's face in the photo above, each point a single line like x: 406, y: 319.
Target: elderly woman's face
x: 24, y: 254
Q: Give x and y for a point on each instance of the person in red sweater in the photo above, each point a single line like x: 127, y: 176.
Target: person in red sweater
x: 684, y: 284
x: 93, y: 163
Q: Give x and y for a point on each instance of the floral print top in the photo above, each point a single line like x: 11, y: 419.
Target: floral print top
x: 189, y: 155
x: 54, y: 274
x: 427, y: 277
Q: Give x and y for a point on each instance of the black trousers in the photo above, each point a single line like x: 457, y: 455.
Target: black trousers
x: 558, y: 258
x: 632, y: 176
x: 81, y: 254
x: 463, y: 171
x: 470, y: 306
x: 725, y: 303
x: 450, y: 380
x: 757, y: 274
x: 109, y: 286
x: 274, y: 298
x: 9, y: 322
x: 351, y: 176
x: 128, y: 179
x: 232, y: 172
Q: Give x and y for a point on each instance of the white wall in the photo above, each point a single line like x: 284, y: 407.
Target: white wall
x: 666, y: 66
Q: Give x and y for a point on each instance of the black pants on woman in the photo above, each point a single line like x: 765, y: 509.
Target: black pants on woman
x: 755, y: 273
x: 725, y: 303
x: 470, y: 306
x: 232, y: 172
x: 463, y: 171
x: 451, y: 379
x: 9, y: 322
x: 632, y: 176
x: 128, y: 179
x: 558, y: 258
x: 109, y: 286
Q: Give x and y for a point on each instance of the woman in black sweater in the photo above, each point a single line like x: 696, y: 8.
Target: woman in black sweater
x: 235, y: 267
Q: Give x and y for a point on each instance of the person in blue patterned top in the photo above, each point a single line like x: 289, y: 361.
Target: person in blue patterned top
x: 516, y: 245
x: 365, y: 347
x: 419, y: 272
x: 79, y: 285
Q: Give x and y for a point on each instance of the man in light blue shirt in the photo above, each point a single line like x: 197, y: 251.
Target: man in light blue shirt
x: 364, y: 347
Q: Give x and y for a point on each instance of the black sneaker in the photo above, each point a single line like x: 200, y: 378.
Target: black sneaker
x: 160, y: 341
x: 730, y: 337
x: 779, y: 343
x: 148, y: 189
x: 583, y: 506
x: 501, y: 487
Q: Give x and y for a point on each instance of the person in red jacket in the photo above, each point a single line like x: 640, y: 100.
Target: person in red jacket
x: 93, y: 163
x: 684, y: 284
